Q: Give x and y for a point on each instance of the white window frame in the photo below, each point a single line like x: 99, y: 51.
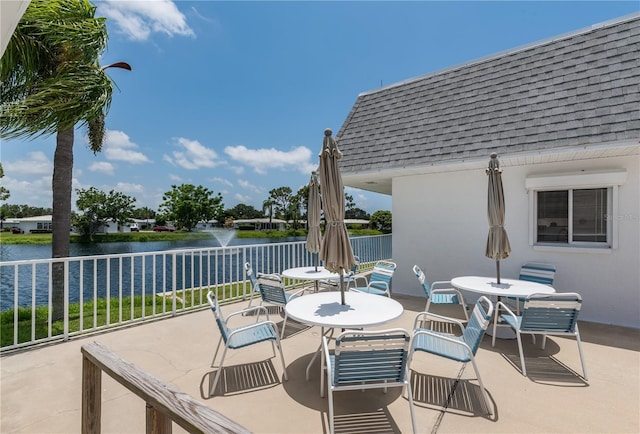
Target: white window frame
x: 609, y: 179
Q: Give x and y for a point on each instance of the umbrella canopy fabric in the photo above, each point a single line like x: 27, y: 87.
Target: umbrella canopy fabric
x: 314, y: 237
x: 335, y: 250
x: 498, y: 246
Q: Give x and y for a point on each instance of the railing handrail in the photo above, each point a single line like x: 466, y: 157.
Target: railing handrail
x: 164, y: 402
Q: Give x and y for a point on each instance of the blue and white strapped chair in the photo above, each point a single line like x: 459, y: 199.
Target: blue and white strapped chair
x: 243, y: 335
x: 440, y: 292
x: 379, y: 281
x: 367, y: 360
x: 253, y: 278
x: 272, y: 291
x: 533, y: 272
x: 543, y: 314
x: 458, y: 348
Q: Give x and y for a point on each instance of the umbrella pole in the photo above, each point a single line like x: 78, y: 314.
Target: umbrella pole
x: 342, y: 286
x: 498, y: 270
x: 315, y: 260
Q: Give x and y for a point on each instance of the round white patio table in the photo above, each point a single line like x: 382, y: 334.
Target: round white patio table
x: 310, y: 273
x: 506, y: 288
x: 360, y: 310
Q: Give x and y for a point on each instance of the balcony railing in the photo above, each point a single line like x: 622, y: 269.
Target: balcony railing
x: 107, y: 291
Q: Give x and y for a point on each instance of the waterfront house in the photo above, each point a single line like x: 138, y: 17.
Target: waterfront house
x: 563, y: 116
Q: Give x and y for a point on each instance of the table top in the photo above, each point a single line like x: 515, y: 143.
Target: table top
x: 360, y: 310
x: 309, y: 273
x: 506, y: 288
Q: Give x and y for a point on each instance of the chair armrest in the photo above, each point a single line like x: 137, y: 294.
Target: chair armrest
x: 422, y: 316
x: 444, y: 338
x: 244, y: 312
x: 378, y: 282
x: 500, y: 305
x: 446, y: 283
x: 298, y: 292
x: 253, y: 326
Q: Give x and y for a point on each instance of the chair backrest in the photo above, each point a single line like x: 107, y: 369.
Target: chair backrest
x: 371, y: 357
x: 382, y: 272
x: 551, y: 312
x: 422, y: 278
x: 354, y: 269
x: 252, y: 277
x: 478, y: 322
x: 272, y: 289
x: 538, y: 272
x: 217, y: 313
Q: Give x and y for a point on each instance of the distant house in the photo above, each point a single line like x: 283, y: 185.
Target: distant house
x: 32, y: 224
x: 563, y: 116
x: 261, y: 224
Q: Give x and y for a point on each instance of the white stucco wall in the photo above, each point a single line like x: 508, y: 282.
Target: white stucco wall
x: 440, y: 223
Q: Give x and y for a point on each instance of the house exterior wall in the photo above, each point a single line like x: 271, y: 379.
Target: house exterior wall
x: 446, y: 213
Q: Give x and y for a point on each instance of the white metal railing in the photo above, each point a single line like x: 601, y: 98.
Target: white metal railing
x: 106, y: 291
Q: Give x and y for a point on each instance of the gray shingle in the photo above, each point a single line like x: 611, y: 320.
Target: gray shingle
x: 580, y: 89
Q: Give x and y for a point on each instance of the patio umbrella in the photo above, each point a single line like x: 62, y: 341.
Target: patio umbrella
x: 335, y: 249
x: 497, y: 242
x: 314, y: 237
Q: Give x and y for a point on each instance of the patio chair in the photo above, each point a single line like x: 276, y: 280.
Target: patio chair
x: 333, y: 283
x: 253, y: 278
x: 543, y: 314
x: 379, y: 281
x: 367, y: 360
x: 244, y: 335
x: 440, y: 292
x: 272, y: 291
x: 533, y: 272
x: 458, y: 348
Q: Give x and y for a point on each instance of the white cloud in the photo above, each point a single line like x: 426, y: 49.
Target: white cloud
x: 248, y: 186
x: 195, y: 155
x: 238, y: 170
x: 139, y: 19
x: 129, y: 188
x: 175, y: 177
x: 36, y: 164
x: 262, y: 160
x: 241, y: 198
x: 102, y: 167
x: 223, y: 181
x: 118, y: 146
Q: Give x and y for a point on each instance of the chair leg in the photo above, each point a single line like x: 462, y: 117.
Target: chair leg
x: 213, y: 361
x: 485, y: 395
x: 284, y: 324
x: 411, y: 409
x: 524, y: 368
x: 330, y: 394
x: 284, y: 368
x: 584, y: 368
x: 215, y: 381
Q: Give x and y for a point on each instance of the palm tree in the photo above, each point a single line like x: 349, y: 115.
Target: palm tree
x: 268, y: 205
x: 50, y: 81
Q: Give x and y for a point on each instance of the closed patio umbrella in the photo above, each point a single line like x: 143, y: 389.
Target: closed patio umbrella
x: 335, y: 249
x: 498, y: 246
x: 314, y: 237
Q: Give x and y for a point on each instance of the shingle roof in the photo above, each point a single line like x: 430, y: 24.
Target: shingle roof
x: 578, y: 89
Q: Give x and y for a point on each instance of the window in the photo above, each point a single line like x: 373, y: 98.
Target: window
x: 574, y: 209
x: 573, y: 216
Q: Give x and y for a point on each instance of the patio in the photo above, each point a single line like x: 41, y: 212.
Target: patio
x: 41, y: 387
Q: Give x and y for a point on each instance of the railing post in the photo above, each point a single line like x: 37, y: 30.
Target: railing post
x: 157, y: 422
x: 91, y: 397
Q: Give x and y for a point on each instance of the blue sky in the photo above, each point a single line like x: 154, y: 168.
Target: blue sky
x: 235, y: 95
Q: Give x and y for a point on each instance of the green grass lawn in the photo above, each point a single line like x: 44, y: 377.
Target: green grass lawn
x: 185, y: 299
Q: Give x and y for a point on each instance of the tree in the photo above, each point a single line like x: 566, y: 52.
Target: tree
x: 242, y: 211
x: 281, y: 198
x: 186, y: 205
x: 357, y: 213
x: 144, y: 213
x: 50, y: 80
x: 268, y: 205
x: 4, y: 192
x: 98, y: 207
x: 381, y: 219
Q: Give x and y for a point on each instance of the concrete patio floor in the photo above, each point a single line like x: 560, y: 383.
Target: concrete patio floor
x: 41, y: 388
